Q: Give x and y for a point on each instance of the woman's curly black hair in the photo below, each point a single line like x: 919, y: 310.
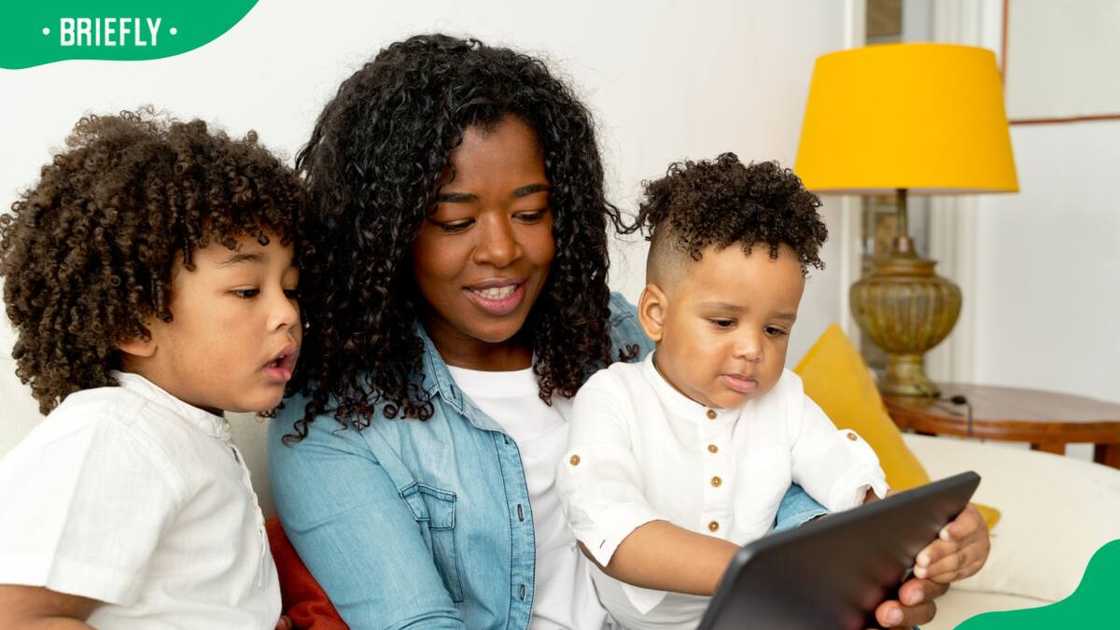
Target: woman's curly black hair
x: 87, y: 253
x: 373, y: 166
x: 717, y: 203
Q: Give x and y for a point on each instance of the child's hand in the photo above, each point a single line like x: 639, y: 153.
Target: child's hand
x: 960, y: 552
x: 284, y: 623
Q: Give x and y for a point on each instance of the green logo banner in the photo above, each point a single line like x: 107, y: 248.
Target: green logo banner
x: 1092, y: 605
x: 36, y: 32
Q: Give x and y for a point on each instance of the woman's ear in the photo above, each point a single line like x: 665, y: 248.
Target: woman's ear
x: 652, y: 307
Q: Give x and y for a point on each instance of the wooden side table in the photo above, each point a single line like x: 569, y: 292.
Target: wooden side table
x: 1046, y: 420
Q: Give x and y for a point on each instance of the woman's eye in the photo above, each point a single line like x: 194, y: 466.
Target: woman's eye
x: 723, y: 323
x: 455, y: 226
x: 245, y: 294
x: 293, y: 294
x: 531, y: 217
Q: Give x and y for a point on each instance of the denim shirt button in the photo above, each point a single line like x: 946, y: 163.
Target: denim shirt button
x: 522, y: 591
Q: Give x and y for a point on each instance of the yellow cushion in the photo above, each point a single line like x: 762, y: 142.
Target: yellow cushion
x: 836, y: 377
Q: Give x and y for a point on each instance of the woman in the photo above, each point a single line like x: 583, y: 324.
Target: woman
x: 457, y: 276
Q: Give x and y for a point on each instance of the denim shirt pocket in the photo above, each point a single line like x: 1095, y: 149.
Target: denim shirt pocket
x: 434, y: 510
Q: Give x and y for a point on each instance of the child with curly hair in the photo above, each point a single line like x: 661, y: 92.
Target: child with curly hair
x: 674, y: 462
x: 151, y: 280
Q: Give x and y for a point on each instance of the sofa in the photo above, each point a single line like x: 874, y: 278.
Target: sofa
x: 1056, y: 511
x: 1043, y: 500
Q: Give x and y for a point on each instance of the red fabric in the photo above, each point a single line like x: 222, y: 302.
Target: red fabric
x: 303, y: 600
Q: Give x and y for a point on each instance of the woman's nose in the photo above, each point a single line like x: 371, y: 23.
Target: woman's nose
x: 497, y: 244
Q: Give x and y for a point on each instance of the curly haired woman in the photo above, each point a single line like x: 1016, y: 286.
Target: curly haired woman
x: 457, y: 272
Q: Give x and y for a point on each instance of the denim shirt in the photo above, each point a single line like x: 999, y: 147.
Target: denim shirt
x: 410, y: 524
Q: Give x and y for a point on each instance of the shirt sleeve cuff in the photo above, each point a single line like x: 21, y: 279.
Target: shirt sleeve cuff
x: 851, y: 489
x: 611, y: 526
x: 71, y: 577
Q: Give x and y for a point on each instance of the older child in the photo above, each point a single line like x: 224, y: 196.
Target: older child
x: 676, y: 461
x: 150, y: 278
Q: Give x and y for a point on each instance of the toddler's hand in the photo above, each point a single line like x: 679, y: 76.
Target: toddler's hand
x: 960, y: 552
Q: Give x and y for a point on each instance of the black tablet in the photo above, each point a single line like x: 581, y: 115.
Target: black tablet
x: 834, y: 571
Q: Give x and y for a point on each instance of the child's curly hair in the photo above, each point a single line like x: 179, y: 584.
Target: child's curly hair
x: 87, y: 254
x: 721, y: 202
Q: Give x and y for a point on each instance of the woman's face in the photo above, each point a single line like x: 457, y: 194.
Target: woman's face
x: 482, y: 256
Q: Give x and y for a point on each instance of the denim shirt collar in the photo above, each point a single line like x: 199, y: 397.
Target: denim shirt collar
x: 438, y: 380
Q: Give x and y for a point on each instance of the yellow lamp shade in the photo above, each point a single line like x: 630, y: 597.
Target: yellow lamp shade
x: 925, y: 117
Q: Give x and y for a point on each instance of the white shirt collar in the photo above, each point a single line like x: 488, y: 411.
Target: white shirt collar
x: 208, y: 423
x: 503, y: 384
x: 679, y: 404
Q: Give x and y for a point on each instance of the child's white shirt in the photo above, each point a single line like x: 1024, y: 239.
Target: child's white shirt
x: 640, y: 451
x: 132, y: 497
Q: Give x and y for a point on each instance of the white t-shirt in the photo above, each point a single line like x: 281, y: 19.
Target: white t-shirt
x: 132, y: 497
x: 565, y: 597
x: 641, y: 451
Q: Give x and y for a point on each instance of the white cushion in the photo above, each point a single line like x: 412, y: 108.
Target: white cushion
x: 1057, y: 511
x: 958, y: 605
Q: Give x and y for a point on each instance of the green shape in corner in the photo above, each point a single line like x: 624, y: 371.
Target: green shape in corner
x: 1093, y: 605
x: 36, y: 32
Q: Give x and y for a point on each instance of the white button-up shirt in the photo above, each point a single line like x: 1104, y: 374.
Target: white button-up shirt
x: 132, y: 497
x: 639, y: 451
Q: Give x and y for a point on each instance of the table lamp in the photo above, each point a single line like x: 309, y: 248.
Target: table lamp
x: 907, y: 119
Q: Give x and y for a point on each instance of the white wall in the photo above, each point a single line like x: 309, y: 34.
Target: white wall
x: 1038, y: 268
x: 666, y: 80
x: 1045, y: 263
x: 1079, y: 81
x: 1048, y: 268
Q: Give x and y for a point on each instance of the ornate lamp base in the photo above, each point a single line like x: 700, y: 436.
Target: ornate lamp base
x: 906, y: 309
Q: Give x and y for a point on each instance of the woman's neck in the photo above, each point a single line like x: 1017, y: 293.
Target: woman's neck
x: 464, y: 351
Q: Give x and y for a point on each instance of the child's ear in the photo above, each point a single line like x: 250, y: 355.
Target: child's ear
x: 652, y: 307
x: 138, y: 347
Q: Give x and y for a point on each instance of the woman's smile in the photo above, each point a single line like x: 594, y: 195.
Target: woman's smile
x: 497, y: 298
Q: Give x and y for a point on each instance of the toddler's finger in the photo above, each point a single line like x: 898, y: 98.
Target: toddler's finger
x: 934, y: 552
x: 968, y: 569
x: 968, y: 523
x: 949, y: 568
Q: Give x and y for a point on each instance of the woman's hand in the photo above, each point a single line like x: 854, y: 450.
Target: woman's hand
x: 960, y: 551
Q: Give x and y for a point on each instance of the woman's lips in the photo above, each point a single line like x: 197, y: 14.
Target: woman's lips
x: 740, y: 384
x: 497, y: 301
